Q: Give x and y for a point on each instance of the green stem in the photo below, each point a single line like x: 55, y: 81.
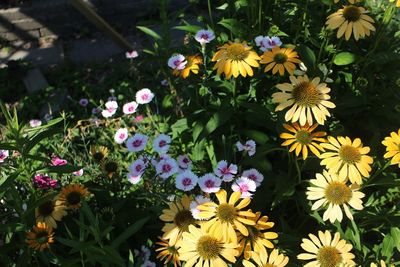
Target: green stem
x: 378, y: 172
x: 260, y: 16
x: 210, y: 13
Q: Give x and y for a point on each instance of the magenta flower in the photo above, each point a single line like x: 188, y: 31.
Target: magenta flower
x: 56, y: 161
x: 3, y: 155
x: 43, y: 181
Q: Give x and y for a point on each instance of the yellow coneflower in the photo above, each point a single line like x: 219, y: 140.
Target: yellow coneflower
x: 226, y: 216
x: 178, y: 218
x: 259, y: 237
x: 72, y: 195
x: 98, y: 152
x: 351, y: 19
x: 392, y: 144
x: 49, y: 212
x: 202, y: 248
x: 380, y: 264
x: 40, y: 237
x: 168, y: 253
x: 332, y: 191
x: 273, y: 260
x: 279, y: 59
x: 307, y: 99
x: 347, y: 158
x: 235, y: 59
x: 325, y: 251
x: 192, y: 65
x: 302, y: 138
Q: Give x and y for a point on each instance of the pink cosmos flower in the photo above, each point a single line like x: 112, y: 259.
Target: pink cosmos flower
x: 83, y: 102
x: 138, y: 167
x: 111, y: 108
x: 3, y: 155
x: 35, y: 123
x: 132, y: 54
x: 136, y: 143
x: 204, y: 36
x: 184, y: 162
x: 121, y: 135
x: 177, y: 62
x: 161, y: 144
x: 130, y: 108
x: 166, y: 168
x: 56, y: 161
x: 245, y: 186
x: 249, y: 147
x: 254, y: 175
x: 144, y: 96
x: 194, y: 204
x: 186, y: 181
x: 133, y: 178
x: 43, y: 181
x: 209, y: 183
x: 78, y: 172
x: 225, y: 171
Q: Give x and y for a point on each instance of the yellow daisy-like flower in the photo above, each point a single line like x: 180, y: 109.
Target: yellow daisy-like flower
x: 234, y: 59
x: 279, y: 59
x: 225, y: 216
x: 381, y: 264
x: 178, y: 218
x: 72, y: 195
x: 192, y: 65
x: 168, y: 253
x: 351, y: 19
x: 397, y: 3
x: 274, y: 260
x: 302, y: 138
x: 329, y: 190
x: 50, y: 211
x: 258, y: 239
x: 40, y: 237
x: 307, y: 99
x: 392, y: 144
x: 202, y: 248
x: 98, y: 152
x: 325, y: 251
x: 348, y: 159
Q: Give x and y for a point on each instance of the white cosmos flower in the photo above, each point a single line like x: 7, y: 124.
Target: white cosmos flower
x: 177, y: 62
x: 130, y: 107
x: 144, y: 96
x: 204, y: 36
x: 121, y: 135
x: 111, y: 108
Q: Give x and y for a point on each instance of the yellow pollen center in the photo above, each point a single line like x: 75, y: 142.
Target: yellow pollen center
x: 329, y: 257
x: 183, y: 219
x: 236, y: 52
x: 349, y: 154
x: 208, y: 247
x: 351, y: 13
x: 226, y: 212
x: 280, y: 58
x: 305, y: 94
x: 303, y: 137
x: 338, y: 193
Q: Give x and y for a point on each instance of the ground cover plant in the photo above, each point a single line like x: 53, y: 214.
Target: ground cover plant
x: 269, y: 135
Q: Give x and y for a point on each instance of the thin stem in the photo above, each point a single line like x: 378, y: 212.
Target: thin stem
x: 378, y: 172
x: 210, y: 13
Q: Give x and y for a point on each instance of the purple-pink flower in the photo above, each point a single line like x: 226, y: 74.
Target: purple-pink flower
x: 132, y: 54
x: 56, y: 161
x: 161, y: 143
x: 254, y: 175
x: 249, y: 147
x: 245, y: 186
x: 177, y: 62
x: 204, y: 36
x: 184, y: 162
x: 3, y: 155
x: 186, y: 180
x: 130, y: 107
x: 111, y: 108
x: 137, y: 142
x: 43, y: 181
x: 209, y: 183
x: 166, y: 168
x: 35, y: 123
x: 121, y: 135
x: 225, y: 171
x: 83, y: 102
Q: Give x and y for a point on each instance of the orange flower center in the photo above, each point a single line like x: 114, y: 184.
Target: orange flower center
x: 303, y: 137
x: 226, y: 212
x: 183, y: 219
x: 280, y: 58
x: 351, y: 13
x: 349, y: 154
x: 236, y: 52
x: 208, y: 247
x: 329, y: 256
x: 306, y: 94
x: 338, y: 193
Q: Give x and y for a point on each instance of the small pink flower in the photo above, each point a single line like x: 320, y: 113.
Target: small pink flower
x: 177, y: 62
x: 244, y: 186
x: 194, y: 204
x: 254, y: 175
x: 132, y: 54
x: 43, y: 181
x: 35, y: 123
x: 111, y: 108
x: 186, y: 181
x: 121, y: 135
x: 204, y: 36
x: 83, y: 102
x: 249, y: 147
x: 139, y: 118
x: 133, y: 178
x: 136, y: 143
x: 138, y: 167
x: 161, y: 144
x: 184, y: 162
x: 130, y: 108
x: 3, y: 155
x: 56, y: 161
x: 209, y: 183
x: 225, y: 171
x: 166, y: 168
x: 144, y: 96
x: 78, y: 173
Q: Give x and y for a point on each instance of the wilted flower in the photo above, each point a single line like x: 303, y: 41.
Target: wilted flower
x: 254, y: 175
x: 249, y: 147
x: 177, y: 62
x: 144, y: 96
x: 35, y: 123
x: 161, y: 143
x: 121, y: 135
x: 3, y: 155
x: 132, y: 54
x: 186, y: 181
x: 166, y: 168
x: 83, y: 102
x: 111, y: 108
x: 204, y: 36
x: 130, y: 108
x: 136, y: 143
x: 209, y: 183
x: 225, y: 171
x: 245, y: 186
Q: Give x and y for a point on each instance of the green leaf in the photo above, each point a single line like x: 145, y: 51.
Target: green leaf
x: 60, y: 169
x: 8, y: 146
x: 395, y: 233
x: 387, y: 246
x: 188, y: 28
x: 307, y: 56
x: 344, y: 58
x: 218, y: 119
x: 149, y: 32
x: 259, y: 137
x: 32, y: 142
x: 232, y: 25
x: 129, y: 232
